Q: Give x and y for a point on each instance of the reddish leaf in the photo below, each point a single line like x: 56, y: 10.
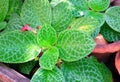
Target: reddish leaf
x: 117, y: 61
x: 25, y: 28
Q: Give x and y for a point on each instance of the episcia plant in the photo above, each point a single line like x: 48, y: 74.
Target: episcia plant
x: 59, y: 34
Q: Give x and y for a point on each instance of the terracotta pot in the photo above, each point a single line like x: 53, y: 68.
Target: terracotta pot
x: 9, y: 75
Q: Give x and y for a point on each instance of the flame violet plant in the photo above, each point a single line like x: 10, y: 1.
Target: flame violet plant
x: 59, y: 34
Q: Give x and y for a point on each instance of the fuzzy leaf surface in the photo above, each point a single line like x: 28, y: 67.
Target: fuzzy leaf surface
x: 74, y: 45
x: 49, y: 58
x: 62, y: 16
x: 43, y: 75
x: 113, y: 18
x: 18, y: 47
x: 36, y: 12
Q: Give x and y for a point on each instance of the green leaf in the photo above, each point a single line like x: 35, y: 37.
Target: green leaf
x: 99, y: 17
x: 74, y: 45
x: 98, y: 5
x: 62, y: 16
x: 46, y: 36
x: 106, y: 74
x: 79, y: 4
x: 85, y: 24
x: 14, y: 23
x: 49, y: 58
x: 14, y: 7
x: 18, y: 47
x: 27, y: 67
x: 36, y: 12
x: 85, y: 71
x: 113, y: 18
x: 109, y: 34
x: 3, y: 25
x: 43, y: 75
x: 3, y: 9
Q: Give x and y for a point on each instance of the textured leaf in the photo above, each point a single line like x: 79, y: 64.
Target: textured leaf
x: 86, y: 24
x: 14, y: 7
x: 113, y: 18
x: 2, y: 25
x: 98, y: 5
x: 84, y: 71
x: 27, y: 67
x: 14, y: 23
x: 55, y: 2
x: 36, y: 12
x: 98, y: 16
x: 74, y: 45
x: 49, y: 58
x: 43, y: 75
x: 106, y: 74
x: 46, y: 36
x: 18, y: 47
x: 79, y: 4
x: 109, y: 34
x: 62, y: 16
x: 3, y: 9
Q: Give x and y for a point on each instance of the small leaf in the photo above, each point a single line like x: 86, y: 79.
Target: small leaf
x: 18, y: 47
x: 85, y: 70
x: 3, y: 9
x: 98, y: 5
x: 27, y: 67
x: 109, y: 34
x: 36, y: 12
x: 43, y: 75
x: 3, y: 25
x: 85, y: 24
x: 46, y: 36
x: 62, y: 16
x: 74, y: 45
x: 113, y: 18
x: 49, y: 58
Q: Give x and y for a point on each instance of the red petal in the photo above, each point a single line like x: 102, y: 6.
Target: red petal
x: 25, y: 28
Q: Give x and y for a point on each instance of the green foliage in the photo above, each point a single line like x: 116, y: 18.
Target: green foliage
x: 113, y: 18
x: 59, y: 31
x: 18, y: 47
x: 36, y: 12
x: 109, y: 34
x: 85, y: 70
x: 49, y: 58
x: 42, y: 75
x: 2, y: 25
x: 74, y: 45
x: 98, y: 5
x: 46, y: 36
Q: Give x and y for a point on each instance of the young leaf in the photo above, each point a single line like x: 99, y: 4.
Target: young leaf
x: 84, y: 71
x: 62, y: 16
x: 14, y: 7
x: 74, y: 45
x: 25, y: 68
x: 98, y: 5
x: 113, y: 18
x: 109, y: 34
x: 46, y: 36
x: 36, y: 12
x: 3, y: 9
x: 49, y: 58
x: 18, y: 47
x: 14, y: 22
x: 42, y: 75
x: 2, y: 25
x: 86, y: 24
